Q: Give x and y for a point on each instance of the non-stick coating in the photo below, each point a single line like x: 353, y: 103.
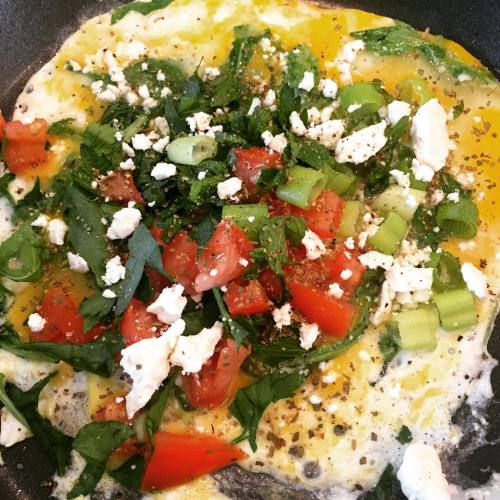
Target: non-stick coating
x: 30, y: 33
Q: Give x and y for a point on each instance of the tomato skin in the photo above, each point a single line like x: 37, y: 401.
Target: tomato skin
x: 272, y: 284
x: 138, y: 324
x: 246, y: 298
x: 179, y: 260
x: 219, y: 262
x: 25, y: 147
x: 119, y: 186
x: 345, y: 260
x: 250, y: 162
x: 325, y: 215
x: 3, y: 123
x: 113, y: 411
x: 213, y: 384
x: 333, y: 316
x: 63, y: 320
x: 178, y: 458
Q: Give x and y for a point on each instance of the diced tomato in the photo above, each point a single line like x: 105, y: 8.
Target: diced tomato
x: 275, y: 205
x: 138, y: 324
x: 157, y: 234
x: 179, y: 260
x: 178, y: 458
x: 333, y: 316
x: 64, y: 322
x: 325, y: 215
x: 347, y: 261
x: 272, y: 284
x: 213, y: 384
x: 3, y: 123
x: 25, y: 146
x: 119, y: 186
x: 157, y: 281
x: 246, y: 298
x: 113, y: 411
x: 220, y: 261
x: 250, y: 162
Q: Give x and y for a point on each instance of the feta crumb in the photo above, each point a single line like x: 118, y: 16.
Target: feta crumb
x: 307, y: 82
x: 327, y: 133
x: 41, y: 221
x: 269, y: 98
x: 202, y: 174
x: 253, y: 106
x: 315, y: 248
x: 162, y: 171
x: 282, y: 316
x: 455, y: 196
x: 36, y: 323
x: 328, y: 87
x: 437, y: 196
x: 141, y: 142
x: 160, y: 76
x: 403, y: 277
x: 297, y: 125
x: 57, y: 230
x: 199, y: 122
x: 128, y: 164
x: 228, y: 188
x: 349, y: 243
x: 128, y: 150
x: 347, y: 56
x: 421, y: 171
x: 277, y: 143
x: 401, y: 178
x: 77, y: 263
x: 308, y: 335
x: 210, y: 73
x: 213, y: 272
x: 124, y: 223
x: 243, y: 262
x: 193, y: 351
x: 161, y: 124
x: 11, y: 430
x: 169, y: 305
x: 353, y: 107
x: 464, y: 77
x: 346, y: 274
x: 330, y: 378
x: 108, y: 294
x: 475, y: 280
x: 314, y: 399
x: 335, y: 290
x: 115, y: 271
x: 397, y: 110
x: 362, y: 144
x: 373, y: 259
x: 160, y: 145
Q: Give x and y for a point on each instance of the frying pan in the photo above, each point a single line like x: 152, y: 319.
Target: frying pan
x: 30, y: 33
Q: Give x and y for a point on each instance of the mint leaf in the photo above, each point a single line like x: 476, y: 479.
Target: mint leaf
x: 404, y: 435
x: 143, y: 8
x: 130, y: 473
x: 300, y: 60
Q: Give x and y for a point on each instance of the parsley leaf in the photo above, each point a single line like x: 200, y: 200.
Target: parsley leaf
x: 310, y: 152
x: 251, y: 402
x: 388, y: 346
x: 95, y: 442
x: 9, y: 404
x: 143, y: 8
x: 458, y: 109
x: 281, y: 350
x: 130, y: 473
x: 404, y: 435
x: 99, y: 148
x: 300, y: 60
x: 64, y: 127
x: 387, y: 488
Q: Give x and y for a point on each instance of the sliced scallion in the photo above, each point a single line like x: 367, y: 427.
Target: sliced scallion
x: 249, y: 218
x: 350, y: 216
x: 363, y: 94
x: 456, y: 308
x: 458, y: 219
x: 389, y: 234
x: 192, y: 150
x: 414, y: 90
x: 417, y: 328
x: 446, y: 272
x: 303, y: 187
x: 337, y: 181
x: 396, y: 199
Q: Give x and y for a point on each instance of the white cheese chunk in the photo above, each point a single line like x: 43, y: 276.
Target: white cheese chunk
x: 210, y: 73
x: 282, y: 316
x: 406, y: 278
x: 397, y: 110
x: 421, y: 475
x: 57, y: 230
x: 429, y: 135
x: 327, y: 133
x: 270, y: 98
x: 147, y: 364
x: 41, y: 221
x: 335, y: 290
x: 199, y: 122
x: 77, y: 263
x: 141, y: 142
x: 421, y: 171
x: 373, y: 259
x: 36, y: 323
x: 228, y: 188
x: 307, y: 82
x: 475, y: 280
x: 253, y: 106
x: 108, y: 294
x: 308, y: 335
x: 362, y: 144
x: 297, y: 125
x: 11, y: 430
x: 169, y: 305
x: 277, y: 142
x: 162, y: 171
x: 313, y: 244
x: 124, y: 223
x: 128, y: 164
x: 193, y: 351
x: 401, y: 178
x: 115, y: 271
x: 328, y: 87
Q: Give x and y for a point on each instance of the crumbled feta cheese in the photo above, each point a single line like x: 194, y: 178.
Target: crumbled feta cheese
x: 277, y: 143
x: 77, y: 263
x: 162, y: 171
x: 147, y: 364
x: 243, y: 262
x: 11, y: 430
x: 315, y: 248
x: 213, y: 272
x: 328, y: 87
x: 169, y: 305
x: 267, y: 46
x: 124, y: 223
x: 335, y: 290
x: 421, y: 171
x: 475, y: 280
x: 421, y: 475
x: 108, y: 294
x: 384, y: 305
x: 253, y: 106
x: 202, y: 174
x: 350, y: 243
x: 160, y: 145
x: 308, y: 335
x: 373, y: 259
x: 128, y: 150
x: 228, y: 188
x: 307, y: 82
x: 327, y: 133
x: 401, y: 178
x: 347, y: 56
x: 193, y: 351
x: 115, y: 271
x: 397, y: 110
x: 362, y: 144
x: 210, y: 73
x: 353, y: 107
x: 437, y: 196
x: 143, y: 91
x: 141, y: 142
x: 161, y: 124
x: 199, y: 122
x: 466, y: 179
x: 455, y: 196
x: 403, y: 277
x: 128, y: 164
x: 36, y: 323
x: 429, y: 135
x: 297, y: 125
x: 57, y: 230
x: 41, y: 221
x: 282, y: 316
x: 269, y: 98
x: 346, y: 274
x: 464, y: 77
x: 75, y: 66
x: 313, y: 116
x: 314, y: 399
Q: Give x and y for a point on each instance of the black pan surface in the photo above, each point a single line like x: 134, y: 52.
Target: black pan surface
x: 30, y: 33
